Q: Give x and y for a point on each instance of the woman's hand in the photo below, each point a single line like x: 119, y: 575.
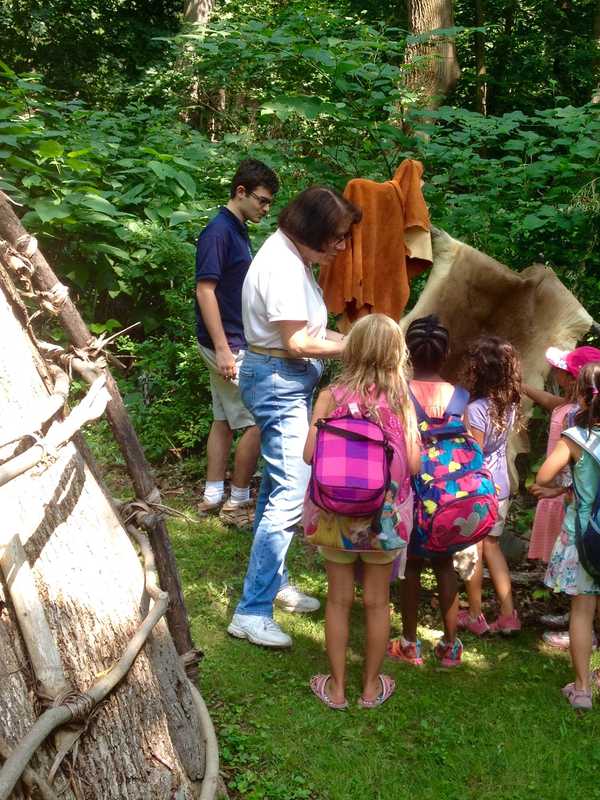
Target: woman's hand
x: 301, y: 344
x: 323, y: 407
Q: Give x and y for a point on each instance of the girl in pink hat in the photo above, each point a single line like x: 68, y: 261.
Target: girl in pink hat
x: 550, y: 510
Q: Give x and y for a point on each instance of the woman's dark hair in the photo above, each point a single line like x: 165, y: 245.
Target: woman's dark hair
x: 428, y: 343
x: 492, y: 370
x: 251, y: 174
x: 588, y: 388
x: 317, y: 215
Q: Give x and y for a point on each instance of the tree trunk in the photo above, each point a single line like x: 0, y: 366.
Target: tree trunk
x: 596, y: 35
x: 197, y: 11
x: 480, y: 68
x: 144, y: 740
x: 436, y: 69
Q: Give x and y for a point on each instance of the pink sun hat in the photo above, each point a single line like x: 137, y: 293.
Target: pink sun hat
x: 557, y: 357
x: 572, y: 361
x: 580, y: 357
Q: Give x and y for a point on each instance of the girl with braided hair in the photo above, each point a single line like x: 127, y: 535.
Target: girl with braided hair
x: 428, y: 343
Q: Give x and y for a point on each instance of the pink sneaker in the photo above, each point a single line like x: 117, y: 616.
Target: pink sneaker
x: 478, y: 626
x: 410, y: 652
x: 560, y: 640
x: 557, y: 639
x: 449, y: 653
x: 509, y: 623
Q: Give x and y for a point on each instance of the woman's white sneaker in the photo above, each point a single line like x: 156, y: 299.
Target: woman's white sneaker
x: 258, y: 630
x: 294, y: 601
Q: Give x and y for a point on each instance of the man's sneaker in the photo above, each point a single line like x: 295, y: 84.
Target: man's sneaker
x: 258, y: 630
x: 449, y: 654
x: 560, y: 640
x: 509, y: 623
x: 240, y: 515
x: 296, y: 602
x: 403, y: 650
x: 478, y: 626
x: 554, y: 620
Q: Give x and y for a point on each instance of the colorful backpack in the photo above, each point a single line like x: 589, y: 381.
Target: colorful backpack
x: 455, y: 497
x: 337, y: 472
x: 588, y: 540
x: 351, y: 464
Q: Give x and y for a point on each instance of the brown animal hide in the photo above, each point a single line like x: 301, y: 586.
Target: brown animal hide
x: 473, y: 294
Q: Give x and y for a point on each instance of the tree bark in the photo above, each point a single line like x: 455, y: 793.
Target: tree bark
x: 197, y: 11
x: 437, y: 70
x: 596, y: 36
x: 78, y: 333
x: 480, y: 67
x: 144, y: 741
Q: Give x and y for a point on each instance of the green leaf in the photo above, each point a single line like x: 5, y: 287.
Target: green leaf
x: 47, y: 210
x: 532, y: 222
x: 101, y: 204
x: 102, y: 247
x: 109, y: 325
x: 178, y: 217
x: 50, y: 149
x: 187, y: 182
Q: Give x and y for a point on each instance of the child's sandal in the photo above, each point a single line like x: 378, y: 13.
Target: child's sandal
x: 388, y: 687
x: 317, y: 685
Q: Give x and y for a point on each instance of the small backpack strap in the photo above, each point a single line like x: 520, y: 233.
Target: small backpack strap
x: 354, y: 409
x: 458, y: 402
x: 419, y: 410
x: 590, y: 444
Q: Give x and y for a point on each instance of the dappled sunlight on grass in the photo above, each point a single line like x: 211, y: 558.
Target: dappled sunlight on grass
x: 495, y: 728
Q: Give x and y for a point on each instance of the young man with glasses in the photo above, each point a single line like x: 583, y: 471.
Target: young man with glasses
x: 223, y: 256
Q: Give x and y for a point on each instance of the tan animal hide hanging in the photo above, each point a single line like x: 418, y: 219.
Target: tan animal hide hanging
x: 473, y: 294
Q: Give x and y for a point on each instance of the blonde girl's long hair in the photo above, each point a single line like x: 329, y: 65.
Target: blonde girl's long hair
x: 376, y: 362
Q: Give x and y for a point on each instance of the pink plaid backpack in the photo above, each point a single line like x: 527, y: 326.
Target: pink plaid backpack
x: 351, y: 464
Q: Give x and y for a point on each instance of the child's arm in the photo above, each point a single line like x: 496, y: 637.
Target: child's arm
x: 544, y: 399
x: 322, y: 408
x: 564, y: 452
x: 477, y: 434
x: 413, y: 447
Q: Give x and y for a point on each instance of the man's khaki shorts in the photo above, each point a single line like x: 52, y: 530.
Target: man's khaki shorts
x: 226, y: 399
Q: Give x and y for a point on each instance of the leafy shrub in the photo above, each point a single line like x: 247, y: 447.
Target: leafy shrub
x: 118, y: 197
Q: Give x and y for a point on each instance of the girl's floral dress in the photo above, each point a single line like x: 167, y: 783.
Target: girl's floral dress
x: 565, y: 573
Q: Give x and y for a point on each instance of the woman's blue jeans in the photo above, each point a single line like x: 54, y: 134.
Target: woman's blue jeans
x: 278, y: 392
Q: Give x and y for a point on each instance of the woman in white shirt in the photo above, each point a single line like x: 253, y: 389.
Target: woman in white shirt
x: 285, y: 325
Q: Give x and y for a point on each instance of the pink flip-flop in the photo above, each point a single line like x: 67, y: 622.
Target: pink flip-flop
x: 317, y: 685
x: 388, y: 687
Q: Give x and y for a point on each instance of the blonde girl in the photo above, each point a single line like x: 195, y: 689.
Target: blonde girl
x: 374, y: 375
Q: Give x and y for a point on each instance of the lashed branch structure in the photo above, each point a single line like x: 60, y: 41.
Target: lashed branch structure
x: 81, y: 623
x: 27, y: 259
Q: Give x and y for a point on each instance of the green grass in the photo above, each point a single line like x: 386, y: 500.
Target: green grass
x: 495, y: 728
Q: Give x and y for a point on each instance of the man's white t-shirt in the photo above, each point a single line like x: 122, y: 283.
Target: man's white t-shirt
x: 278, y: 286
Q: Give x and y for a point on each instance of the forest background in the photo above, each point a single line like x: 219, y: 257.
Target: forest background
x: 122, y: 123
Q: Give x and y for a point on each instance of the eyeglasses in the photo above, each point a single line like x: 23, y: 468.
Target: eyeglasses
x: 343, y: 238
x: 263, y: 201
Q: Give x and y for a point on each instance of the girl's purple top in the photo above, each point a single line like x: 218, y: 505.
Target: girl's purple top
x: 494, y: 442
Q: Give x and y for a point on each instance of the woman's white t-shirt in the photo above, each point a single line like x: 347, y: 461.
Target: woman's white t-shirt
x: 278, y: 287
